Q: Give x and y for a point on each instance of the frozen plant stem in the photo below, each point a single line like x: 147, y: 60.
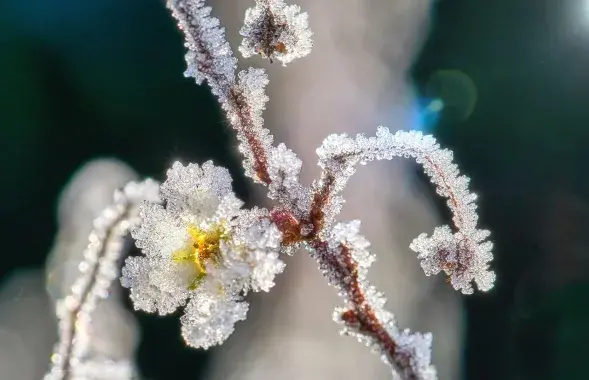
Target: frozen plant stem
x: 306, y: 215
x: 210, y: 58
x: 72, y: 356
x: 202, y: 252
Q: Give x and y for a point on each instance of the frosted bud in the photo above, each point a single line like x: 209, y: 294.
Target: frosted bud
x: 275, y: 30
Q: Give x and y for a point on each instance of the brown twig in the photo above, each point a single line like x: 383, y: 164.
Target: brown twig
x: 246, y: 126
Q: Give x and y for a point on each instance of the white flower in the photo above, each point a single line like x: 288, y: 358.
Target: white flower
x: 201, y: 248
x: 276, y: 31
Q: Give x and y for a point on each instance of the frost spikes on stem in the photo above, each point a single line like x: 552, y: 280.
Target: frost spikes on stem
x: 344, y: 260
x: 210, y: 58
x: 463, y: 255
x: 209, y: 55
x: 71, y: 358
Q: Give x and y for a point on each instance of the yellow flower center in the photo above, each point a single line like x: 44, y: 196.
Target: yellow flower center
x: 203, y: 246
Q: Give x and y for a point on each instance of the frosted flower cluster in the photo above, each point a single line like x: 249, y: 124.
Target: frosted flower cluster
x: 202, y: 251
x: 463, y: 258
x: 275, y: 30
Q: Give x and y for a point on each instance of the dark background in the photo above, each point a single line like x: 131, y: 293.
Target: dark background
x: 81, y: 79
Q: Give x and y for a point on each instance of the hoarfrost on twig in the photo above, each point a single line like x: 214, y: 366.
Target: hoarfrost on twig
x: 344, y: 259
x: 203, y: 252
x: 463, y: 255
x: 71, y: 358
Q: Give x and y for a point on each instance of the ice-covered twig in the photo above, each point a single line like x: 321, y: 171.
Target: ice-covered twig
x: 71, y: 359
x: 242, y: 97
x: 344, y: 260
x: 464, y: 255
x: 204, y: 253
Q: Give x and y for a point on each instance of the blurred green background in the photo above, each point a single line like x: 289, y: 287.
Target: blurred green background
x: 82, y: 79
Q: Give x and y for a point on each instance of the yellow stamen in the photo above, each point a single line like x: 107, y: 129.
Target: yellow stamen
x: 203, y: 246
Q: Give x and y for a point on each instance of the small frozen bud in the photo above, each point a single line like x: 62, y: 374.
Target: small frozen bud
x: 275, y: 30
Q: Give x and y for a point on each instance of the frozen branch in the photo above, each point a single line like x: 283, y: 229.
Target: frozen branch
x: 210, y: 58
x: 463, y: 255
x: 344, y: 259
x: 71, y: 359
x: 202, y: 252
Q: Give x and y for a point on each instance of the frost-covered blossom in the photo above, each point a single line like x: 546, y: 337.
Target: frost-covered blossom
x: 202, y: 251
x: 275, y: 30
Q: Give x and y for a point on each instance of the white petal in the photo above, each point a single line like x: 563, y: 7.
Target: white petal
x: 195, y: 189
x: 159, y: 234
x: 145, y: 295
x: 209, y: 320
x: 256, y: 243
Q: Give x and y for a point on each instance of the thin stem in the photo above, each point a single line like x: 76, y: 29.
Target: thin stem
x: 105, y: 248
x: 361, y: 316
x: 210, y: 58
x: 247, y: 127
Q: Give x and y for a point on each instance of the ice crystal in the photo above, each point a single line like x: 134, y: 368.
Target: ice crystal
x: 210, y: 320
x: 284, y: 168
x: 201, y: 247
x: 275, y: 30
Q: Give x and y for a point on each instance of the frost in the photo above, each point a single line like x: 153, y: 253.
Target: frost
x: 462, y: 259
x: 275, y: 30
x: 202, y: 252
x: 201, y: 249
x: 364, y: 317
x: 284, y: 168
x: 209, y: 55
x: 71, y: 356
x: 244, y: 111
x: 209, y: 321
x: 463, y: 255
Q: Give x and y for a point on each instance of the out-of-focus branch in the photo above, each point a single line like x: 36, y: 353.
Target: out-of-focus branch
x: 71, y: 358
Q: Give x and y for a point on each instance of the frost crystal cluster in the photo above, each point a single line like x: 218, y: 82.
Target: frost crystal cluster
x: 275, y: 30
x: 202, y: 252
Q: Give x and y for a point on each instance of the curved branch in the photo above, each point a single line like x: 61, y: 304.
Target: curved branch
x: 464, y: 254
